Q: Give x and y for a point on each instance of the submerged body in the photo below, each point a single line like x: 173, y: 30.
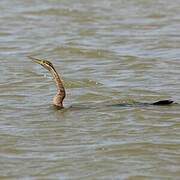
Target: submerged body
x: 61, y: 93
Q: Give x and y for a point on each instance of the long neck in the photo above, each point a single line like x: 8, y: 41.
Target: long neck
x: 58, y: 99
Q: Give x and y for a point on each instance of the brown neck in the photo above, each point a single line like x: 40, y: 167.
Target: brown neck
x: 58, y: 99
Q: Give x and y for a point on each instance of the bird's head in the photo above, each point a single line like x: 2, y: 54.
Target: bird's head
x: 46, y: 64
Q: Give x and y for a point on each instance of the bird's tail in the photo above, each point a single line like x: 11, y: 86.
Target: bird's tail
x: 163, y: 102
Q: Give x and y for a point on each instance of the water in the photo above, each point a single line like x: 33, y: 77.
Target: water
x: 107, y: 52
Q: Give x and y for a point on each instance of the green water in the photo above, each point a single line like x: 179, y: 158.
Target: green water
x: 107, y: 52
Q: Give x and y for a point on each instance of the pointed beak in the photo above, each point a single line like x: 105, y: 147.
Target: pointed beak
x: 35, y: 60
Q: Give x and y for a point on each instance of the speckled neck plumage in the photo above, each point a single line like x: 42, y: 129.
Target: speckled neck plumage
x: 58, y: 99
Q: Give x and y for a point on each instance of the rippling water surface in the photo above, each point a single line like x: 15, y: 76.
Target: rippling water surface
x: 107, y: 52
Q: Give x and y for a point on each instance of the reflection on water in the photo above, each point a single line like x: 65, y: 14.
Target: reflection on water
x: 107, y: 52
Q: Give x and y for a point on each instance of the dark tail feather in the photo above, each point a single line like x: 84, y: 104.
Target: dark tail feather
x: 163, y: 102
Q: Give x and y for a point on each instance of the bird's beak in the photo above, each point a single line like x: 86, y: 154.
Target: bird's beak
x: 35, y: 60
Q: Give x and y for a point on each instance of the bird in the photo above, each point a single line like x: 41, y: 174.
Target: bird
x: 61, y: 93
